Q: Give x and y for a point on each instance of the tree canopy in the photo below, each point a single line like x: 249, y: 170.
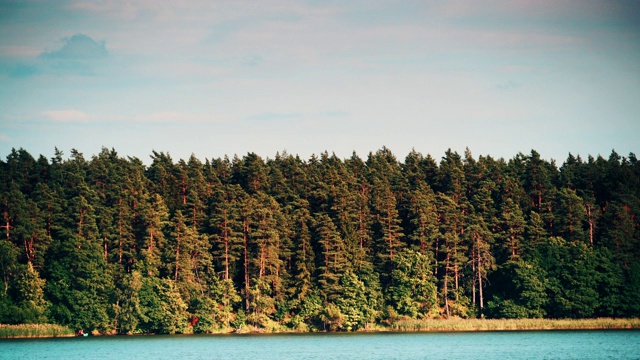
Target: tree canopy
x: 109, y: 244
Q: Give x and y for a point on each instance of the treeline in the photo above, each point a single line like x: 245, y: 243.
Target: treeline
x: 111, y: 245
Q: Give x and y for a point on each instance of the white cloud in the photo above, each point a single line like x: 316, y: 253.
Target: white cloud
x: 125, y: 10
x: 176, y: 118
x: 4, y: 138
x: 392, y: 72
x: 78, y: 47
x: 66, y: 115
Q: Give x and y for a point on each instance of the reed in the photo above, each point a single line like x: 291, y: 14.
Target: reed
x: 34, y: 331
x: 512, y: 324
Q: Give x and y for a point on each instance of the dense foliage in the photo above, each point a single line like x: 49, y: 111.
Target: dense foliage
x: 111, y: 245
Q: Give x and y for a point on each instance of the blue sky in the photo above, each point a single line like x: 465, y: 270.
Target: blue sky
x: 219, y: 78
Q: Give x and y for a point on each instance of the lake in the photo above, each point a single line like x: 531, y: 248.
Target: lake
x: 610, y: 344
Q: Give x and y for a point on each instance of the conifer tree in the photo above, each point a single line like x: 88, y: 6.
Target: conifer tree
x: 109, y: 244
x: 512, y: 226
x: 482, y: 260
x: 333, y: 259
x: 226, y: 224
x: 423, y: 219
x: 387, y: 226
x: 154, y: 221
x: 571, y: 216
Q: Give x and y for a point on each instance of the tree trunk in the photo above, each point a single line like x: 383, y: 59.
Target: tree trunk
x: 479, y: 270
x: 175, y: 277
x: 246, y: 266
x: 446, y: 287
x: 473, y: 269
x: 590, y: 224
x: 225, y: 236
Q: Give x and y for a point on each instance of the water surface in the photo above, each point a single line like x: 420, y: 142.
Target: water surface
x: 610, y: 344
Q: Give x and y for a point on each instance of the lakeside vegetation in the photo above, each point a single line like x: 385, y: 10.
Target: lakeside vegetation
x: 34, y: 331
x: 406, y: 325
x: 513, y: 324
x: 112, y: 246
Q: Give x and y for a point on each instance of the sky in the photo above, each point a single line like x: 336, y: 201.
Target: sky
x: 216, y: 78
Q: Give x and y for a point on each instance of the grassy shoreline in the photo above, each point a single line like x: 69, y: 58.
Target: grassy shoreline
x: 407, y: 325
x: 34, y: 331
x: 454, y: 325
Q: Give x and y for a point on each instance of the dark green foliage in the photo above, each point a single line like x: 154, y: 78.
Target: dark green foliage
x: 162, y: 308
x: 572, y: 286
x: 128, y: 310
x: 413, y: 291
x: 518, y: 291
x: 356, y: 303
x: 630, y: 301
x: 111, y: 245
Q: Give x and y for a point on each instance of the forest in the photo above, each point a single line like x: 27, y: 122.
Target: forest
x: 111, y: 245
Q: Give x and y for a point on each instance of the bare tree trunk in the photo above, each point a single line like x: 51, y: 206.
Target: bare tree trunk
x: 262, y: 262
x: 246, y: 267
x: 446, y: 287
x: 7, y: 226
x: 479, y: 269
x: 437, y: 252
x: 473, y: 269
x: 481, y: 295
x: 175, y: 276
x: 456, y: 274
x: 225, y: 236
x: 591, y: 226
x: 226, y: 260
x: 120, y: 244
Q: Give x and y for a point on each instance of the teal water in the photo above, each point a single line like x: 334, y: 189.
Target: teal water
x: 611, y: 344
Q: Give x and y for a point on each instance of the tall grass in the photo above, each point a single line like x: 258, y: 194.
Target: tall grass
x: 34, y: 330
x: 513, y: 324
x: 439, y: 325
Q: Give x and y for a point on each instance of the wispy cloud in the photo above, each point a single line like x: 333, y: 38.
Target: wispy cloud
x: 299, y: 69
x: 272, y: 116
x: 66, y: 116
x: 22, y: 70
x: 176, y: 118
x: 120, y: 9
x: 78, y: 47
x: 298, y: 117
x: 78, y: 55
x: 508, y: 85
x: 4, y: 138
x: 334, y: 113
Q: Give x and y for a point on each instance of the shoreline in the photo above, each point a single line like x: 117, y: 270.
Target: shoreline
x: 27, y: 331
x: 461, y: 325
x: 40, y: 331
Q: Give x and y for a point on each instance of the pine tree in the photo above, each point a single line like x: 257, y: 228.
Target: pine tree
x: 78, y: 280
x: 268, y: 243
x: 571, y: 216
x: 187, y: 257
x: 304, y: 263
x: 512, y: 225
x: 482, y: 260
x: 423, y: 219
x: 387, y: 226
x: 154, y: 220
x: 112, y: 245
x: 225, y: 220
x: 333, y: 259
x: 451, y: 255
